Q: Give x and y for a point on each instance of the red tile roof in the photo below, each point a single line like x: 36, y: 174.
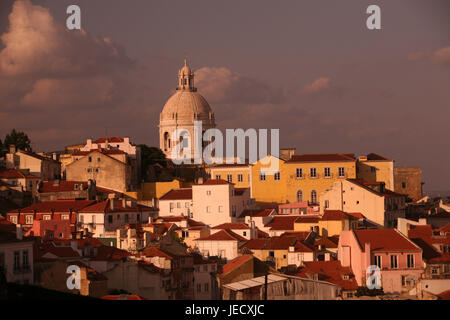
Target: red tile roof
x: 444, y: 295
x: 262, y: 234
x: 256, y: 212
x: 282, y: 223
x: 423, y: 236
x: 110, y: 139
x: 331, y: 271
x: 273, y: 243
x: 110, y: 253
x: 235, y: 263
x: 306, y: 219
x: 101, y: 150
x: 223, y: 235
x: 384, y: 240
x: 323, y: 157
x: 105, y: 206
x: 215, y: 182
x: 155, y: 252
x: 16, y: 174
x: 232, y: 225
x: 178, y: 194
x: 55, y: 206
x: 61, y: 186
x: 335, y: 215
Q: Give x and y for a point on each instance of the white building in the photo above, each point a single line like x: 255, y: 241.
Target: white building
x: 176, y: 202
x: 16, y: 254
x: 379, y: 205
x: 104, y: 218
x: 244, y: 230
x: 217, y: 201
x: 181, y: 110
x: 223, y: 244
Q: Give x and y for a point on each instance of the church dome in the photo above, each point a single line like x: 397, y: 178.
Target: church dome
x: 186, y: 105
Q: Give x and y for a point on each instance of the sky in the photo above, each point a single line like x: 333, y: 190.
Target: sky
x: 309, y: 68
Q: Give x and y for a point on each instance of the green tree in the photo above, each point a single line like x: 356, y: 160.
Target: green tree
x: 151, y: 156
x: 19, y: 139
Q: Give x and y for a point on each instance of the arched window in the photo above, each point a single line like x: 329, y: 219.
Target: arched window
x: 313, y: 196
x: 299, y: 196
x: 166, y: 141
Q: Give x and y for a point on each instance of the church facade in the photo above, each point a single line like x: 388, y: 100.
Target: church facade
x: 180, y: 112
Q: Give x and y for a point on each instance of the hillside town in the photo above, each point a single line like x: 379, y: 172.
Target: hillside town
x: 138, y: 226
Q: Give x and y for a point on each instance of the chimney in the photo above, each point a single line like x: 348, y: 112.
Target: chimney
x: 291, y: 248
x: 55, y: 156
x: 19, y: 232
x: 124, y: 203
x: 12, y: 148
x: 327, y: 256
x: 126, y: 140
x: 111, y: 203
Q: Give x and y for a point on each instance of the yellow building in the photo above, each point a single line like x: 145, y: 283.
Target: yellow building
x: 239, y: 174
x: 376, y: 168
x: 331, y: 223
x: 303, y: 177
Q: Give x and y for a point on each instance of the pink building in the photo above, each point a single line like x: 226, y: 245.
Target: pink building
x: 297, y: 208
x: 50, y: 229
x: 399, y: 259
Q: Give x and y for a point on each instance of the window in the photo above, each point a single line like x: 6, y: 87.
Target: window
x: 218, y: 176
x: 208, y: 209
x: 373, y: 169
x: 206, y: 287
x: 186, y: 204
x: 205, y: 268
x: 25, y: 259
x: 47, y: 217
x: 90, y: 159
x: 199, y: 287
x: 313, y: 196
x: 299, y: 196
x: 29, y: 220
x: 313, y: 173
x: 98, y: 159
x: 220, y: 208
x: 327, y: 204
x: 244, y: 233
x: 240, y: 177
x: 229, y: 177
x: 171, y: 206
x: 299, y: 173
x: 403, y: 185
x: 88, y: 169
x: 394, y: 262
x: 377, y: 261
x: 16, y: 260
x: 262, y: 176
x: 327, y: 172
x: 178, y: 205
x: 208, y: 192
x: 96, y: 169
x: 81, y: 218
x: 13, y: 219
x: 110, y: 219
x: 93, y: 218
x: 65, y: 217
x: 277, y: 176
x: 410, y: 260
x: 126, y: 218
x: 341, y: 172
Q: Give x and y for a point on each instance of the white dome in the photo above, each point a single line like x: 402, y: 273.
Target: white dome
x: 186, y: 105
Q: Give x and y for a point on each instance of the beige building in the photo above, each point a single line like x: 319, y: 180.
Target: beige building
x: 408, y: 180
x: 38, y: 165
x: 108, y: 168
x: 379, y: 205
x: 376, y: 168
x: 181, y: 110
x: 176, y: 202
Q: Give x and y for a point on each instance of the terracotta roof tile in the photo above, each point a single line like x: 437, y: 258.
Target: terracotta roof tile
x: 178, y: 194
x: 323, y: 157
x: 223, y: 235
x: 236, y: 262
x: 384, y: 240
